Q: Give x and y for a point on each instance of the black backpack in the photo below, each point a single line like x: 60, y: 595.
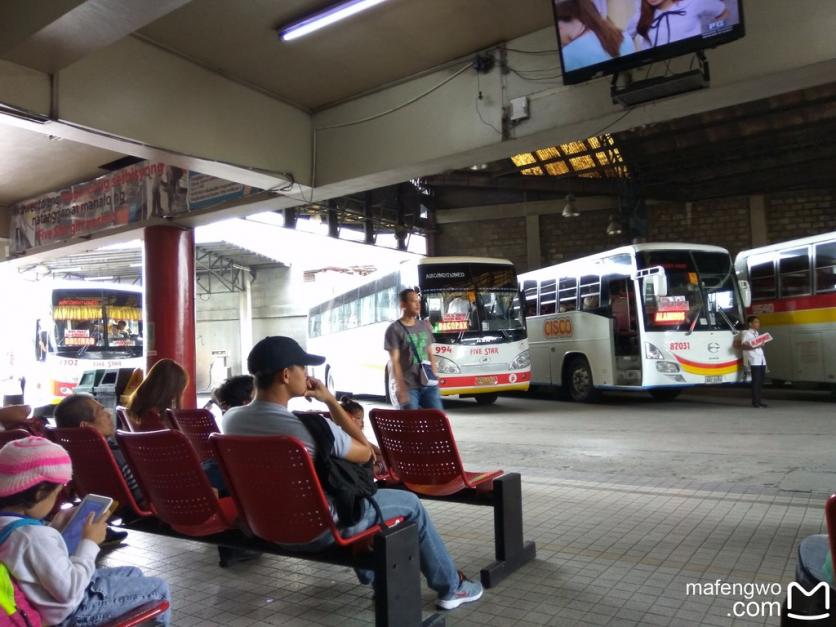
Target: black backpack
x: 348, y: 484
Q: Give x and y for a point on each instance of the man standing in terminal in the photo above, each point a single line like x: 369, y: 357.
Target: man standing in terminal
x: 409, y: 342
x: 278, y: 366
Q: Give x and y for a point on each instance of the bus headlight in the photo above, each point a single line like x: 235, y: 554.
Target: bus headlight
x: 523, y: 360
x: 668, y: 367
x: 652, y: 352
x: 446, y: 366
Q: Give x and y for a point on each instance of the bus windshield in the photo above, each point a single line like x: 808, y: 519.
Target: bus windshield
x: 97, y: 324
x: 701, y: 292
x: 471, y: 298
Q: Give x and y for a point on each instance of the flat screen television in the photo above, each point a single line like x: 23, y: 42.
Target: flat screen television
x: 608, y: 36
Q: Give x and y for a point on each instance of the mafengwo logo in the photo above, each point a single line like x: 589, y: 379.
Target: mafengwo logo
x: 798, y: 598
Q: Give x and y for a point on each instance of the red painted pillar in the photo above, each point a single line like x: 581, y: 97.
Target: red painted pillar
x: 169, y: 300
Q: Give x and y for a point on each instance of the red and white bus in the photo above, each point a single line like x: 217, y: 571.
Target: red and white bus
x: 60, y: 329
x: 473, y: 306
x: 794, y: 294
x: 656, y: 317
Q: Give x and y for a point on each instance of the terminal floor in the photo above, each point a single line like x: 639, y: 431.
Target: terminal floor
x: 629, y: 501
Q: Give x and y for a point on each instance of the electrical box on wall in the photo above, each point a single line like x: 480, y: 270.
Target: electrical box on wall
x: 519, y: 109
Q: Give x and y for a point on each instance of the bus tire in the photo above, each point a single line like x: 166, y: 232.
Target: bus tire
x: 486, y: 399
x: 329, y: 381
x: 579, y: 382
x: 665, y: 394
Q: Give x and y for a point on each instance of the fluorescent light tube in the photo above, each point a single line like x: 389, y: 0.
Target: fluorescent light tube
x: 324, y: 18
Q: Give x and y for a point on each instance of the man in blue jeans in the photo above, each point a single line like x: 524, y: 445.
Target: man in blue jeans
x: 409, y: 342
x: 278, y: 366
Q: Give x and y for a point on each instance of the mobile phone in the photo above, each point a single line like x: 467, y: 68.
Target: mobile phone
x: 92, y: 503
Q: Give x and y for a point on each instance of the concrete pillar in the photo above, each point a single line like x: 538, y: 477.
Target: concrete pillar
x: 757, y: 220
x: 169, y: 300
x: 534, y: 255
x: 245, y: 318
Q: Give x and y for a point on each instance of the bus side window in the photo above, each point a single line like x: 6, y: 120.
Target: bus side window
x: 762, y: 280
x: 529, y: 289
x: 825, y: 267
x: 548, y: 297
x: 568, y: 294
x: 794, y: 269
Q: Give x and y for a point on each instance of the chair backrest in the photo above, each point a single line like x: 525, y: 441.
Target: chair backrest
x: 149, y: 421
x: 418, y: 444
x: 197, y: 425
x: 12, y: 434
x: 169, y: 473
x: 274, y: 484
x: 830, y: 520
x: 95, y: 470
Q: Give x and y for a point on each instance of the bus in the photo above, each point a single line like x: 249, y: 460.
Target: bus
x: 657, y: 317
x: 794, y: 294
x: 472, y: 304
x: 79, y: 326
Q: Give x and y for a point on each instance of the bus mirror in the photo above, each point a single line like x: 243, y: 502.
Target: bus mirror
x: 659, y: 283
x: 746, y: 293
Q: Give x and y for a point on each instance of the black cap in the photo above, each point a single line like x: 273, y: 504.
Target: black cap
x: 277, y: 352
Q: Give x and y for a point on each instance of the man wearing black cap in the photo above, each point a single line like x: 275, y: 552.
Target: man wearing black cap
x: 278, y: 366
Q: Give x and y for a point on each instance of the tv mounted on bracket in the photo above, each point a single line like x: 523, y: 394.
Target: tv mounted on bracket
x: 609, y: 36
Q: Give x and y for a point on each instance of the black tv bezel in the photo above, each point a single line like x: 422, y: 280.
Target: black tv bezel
x: 652, y: 55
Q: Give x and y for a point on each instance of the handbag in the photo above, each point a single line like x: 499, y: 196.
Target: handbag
x: 428, y: 377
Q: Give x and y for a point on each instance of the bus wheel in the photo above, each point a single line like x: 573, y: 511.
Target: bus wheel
x: 665, y: 394
x: 580, y: 384
x: 389, y: 387
x: 329, y: 381
x: 486, y: 399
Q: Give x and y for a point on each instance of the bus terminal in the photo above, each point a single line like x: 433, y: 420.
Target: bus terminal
x: 377, y: 312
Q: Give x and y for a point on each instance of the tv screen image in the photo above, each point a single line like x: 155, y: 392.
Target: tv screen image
x: 608, y: 36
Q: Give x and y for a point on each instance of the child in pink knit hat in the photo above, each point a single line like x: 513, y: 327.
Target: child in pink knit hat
x: 65, y: 589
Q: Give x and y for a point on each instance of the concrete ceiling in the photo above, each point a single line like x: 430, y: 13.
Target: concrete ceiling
x: 391, y: 41
x: 32, y: 163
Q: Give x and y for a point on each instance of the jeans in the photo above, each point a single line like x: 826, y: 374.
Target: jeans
x: 426, y: 396
x: 116, y: 591
x: 758, y: 373
x: 436, y: 563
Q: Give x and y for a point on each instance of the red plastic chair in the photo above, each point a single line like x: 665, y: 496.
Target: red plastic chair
x: 419, y: 448
x: 169, y: 473
x: 12, y: 434
x: 274, y: 484
x: 95, y: 470
x: 197, y: 425
x: 150, y: 421
x: 140, y: 614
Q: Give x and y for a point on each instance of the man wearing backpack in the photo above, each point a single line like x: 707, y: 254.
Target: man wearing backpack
x: 278, y: 366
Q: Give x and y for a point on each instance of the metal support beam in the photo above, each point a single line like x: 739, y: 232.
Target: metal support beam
x: 368, y: 219
x: 333, y: 220
x: 216, y: 274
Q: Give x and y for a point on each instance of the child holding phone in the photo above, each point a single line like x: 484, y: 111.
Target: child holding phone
x: 65, y: 589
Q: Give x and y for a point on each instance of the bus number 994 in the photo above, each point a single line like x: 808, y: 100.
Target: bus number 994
x: 679, y: 346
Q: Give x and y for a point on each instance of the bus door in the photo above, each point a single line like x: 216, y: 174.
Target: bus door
x: 624, y: 310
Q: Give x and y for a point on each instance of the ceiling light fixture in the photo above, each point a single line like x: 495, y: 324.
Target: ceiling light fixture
x: 570, y: 209
x: 614, y: 227
x: 314, y: 22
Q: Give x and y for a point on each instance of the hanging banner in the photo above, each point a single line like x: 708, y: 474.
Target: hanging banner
x: 127, y: 196
x: 205, y: 191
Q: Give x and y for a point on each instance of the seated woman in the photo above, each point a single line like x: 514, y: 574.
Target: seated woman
x: 587, y: 38
x: 161, y: 389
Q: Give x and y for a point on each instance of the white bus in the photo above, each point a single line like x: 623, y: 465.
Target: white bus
x: 78, y: 326
x: 473, y: 306
x: 794, y: 294
x: 656, y: 317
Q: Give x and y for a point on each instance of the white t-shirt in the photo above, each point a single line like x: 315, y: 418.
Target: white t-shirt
x: 754, y: 357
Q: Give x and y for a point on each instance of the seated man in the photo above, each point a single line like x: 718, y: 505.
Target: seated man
x: 82, y: 410
x: 278, y: 365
